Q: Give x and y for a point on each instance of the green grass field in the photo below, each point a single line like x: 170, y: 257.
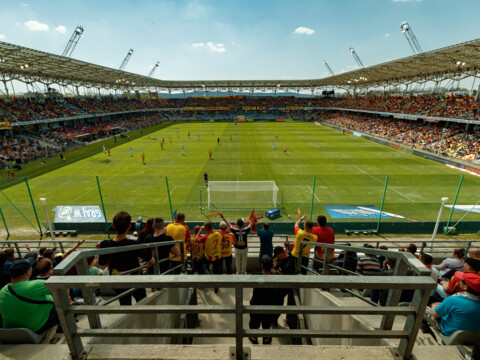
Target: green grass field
x: 349, y: 171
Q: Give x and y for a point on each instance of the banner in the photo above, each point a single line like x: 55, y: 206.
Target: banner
x: 5, y: 126
x: 78, y: 214
x: 354, y: 212
x: 465, y: 208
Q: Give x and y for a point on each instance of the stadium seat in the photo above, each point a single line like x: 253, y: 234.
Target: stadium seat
x: 460, y: 337
x: 21, y: 336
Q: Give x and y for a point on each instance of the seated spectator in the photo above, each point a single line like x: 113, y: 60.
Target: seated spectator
x: 4, y: 270
x: 453, y: 263
x: 44, y: 269
x: 24, y: 303
x: 412, y: 249
x: 460, y: 311
x: 368, y: 265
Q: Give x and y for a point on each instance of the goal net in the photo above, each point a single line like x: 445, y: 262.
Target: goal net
x: 242, y: 194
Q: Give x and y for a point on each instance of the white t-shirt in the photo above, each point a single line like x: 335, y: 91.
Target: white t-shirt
x: 451, y: 264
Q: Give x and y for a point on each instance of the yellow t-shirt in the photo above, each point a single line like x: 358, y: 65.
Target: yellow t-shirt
x: 302, y: 235
x: 178, y: 232
x: 198, y: 249
x: 228, y: 239
x: 213, y: 245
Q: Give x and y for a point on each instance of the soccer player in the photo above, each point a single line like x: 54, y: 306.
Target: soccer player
x: 131, y: 152
x: 143, y: 158
x: 177, y: 133
x: 182, y: 150
x: 285, y: 149
x: 189, y: 134
x: 108, y: 151
x: 230, y: 138
x: 276, y: 136
x: 273, y: 145
x: 169, y: 138
x: 62, y: 158
x: 211, y: 131
x: 205, y: 177
x: 7, y: 169
x: 104, y: 149
x: 161, y: 144
x: 210, y: 154
x: 198, y: 137
x: 218, y: 141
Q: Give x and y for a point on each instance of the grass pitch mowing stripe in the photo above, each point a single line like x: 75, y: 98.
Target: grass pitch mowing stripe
x: 349, y: 170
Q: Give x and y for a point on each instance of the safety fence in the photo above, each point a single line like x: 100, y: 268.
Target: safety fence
x: 422, y: 284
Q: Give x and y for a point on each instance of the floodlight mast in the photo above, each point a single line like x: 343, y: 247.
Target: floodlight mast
x: 125, y: 61
x: 154, y: 68
x: 411, y: 38
x: 72, y: 43
x: 328, y: 67
x: 355, y: 57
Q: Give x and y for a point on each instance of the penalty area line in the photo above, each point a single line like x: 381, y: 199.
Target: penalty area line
x: 311, y: 190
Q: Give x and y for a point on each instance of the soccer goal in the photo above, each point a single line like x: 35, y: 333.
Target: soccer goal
x: 242, y: 194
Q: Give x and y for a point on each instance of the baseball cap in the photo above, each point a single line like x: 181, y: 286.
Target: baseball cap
x: 472, y: 280
x: 21, y: 266
x: 278, y: 250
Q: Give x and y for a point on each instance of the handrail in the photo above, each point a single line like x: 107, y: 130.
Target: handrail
x: 73, y: 258
x: 58, y: 284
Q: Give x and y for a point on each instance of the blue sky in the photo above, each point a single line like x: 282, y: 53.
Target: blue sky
x: 247, y: 39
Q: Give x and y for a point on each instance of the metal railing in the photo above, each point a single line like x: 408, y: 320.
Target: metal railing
x: 59, y: 283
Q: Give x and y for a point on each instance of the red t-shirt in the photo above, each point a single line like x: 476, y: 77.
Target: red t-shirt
x: 325, y: 235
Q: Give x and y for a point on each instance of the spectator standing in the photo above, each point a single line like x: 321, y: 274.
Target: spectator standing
x: 227, y: 244
x: 126, y: 260
x: 198, y: 254
x: 241, y: 246
x: 325, y: 235
x: 264, y: 296
x: 178, y: 231
x: 303, y: 235
x: 163, y: 252
x: 266, y: 242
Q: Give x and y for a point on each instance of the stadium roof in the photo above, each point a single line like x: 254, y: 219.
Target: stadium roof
x: 31, y: 66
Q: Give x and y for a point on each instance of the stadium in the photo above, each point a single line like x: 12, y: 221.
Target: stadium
x: 379, y: 168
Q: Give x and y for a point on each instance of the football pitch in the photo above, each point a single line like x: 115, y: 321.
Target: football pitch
x: 349, y: 171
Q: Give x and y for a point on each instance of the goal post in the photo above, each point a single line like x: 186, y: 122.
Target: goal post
x: 242, y: 194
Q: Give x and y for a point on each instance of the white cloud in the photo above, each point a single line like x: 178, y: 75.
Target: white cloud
x: 2, y: 37
x: 61, y: 29
x: 24, y: 4
x: 303, y: 30
x: 218, y: 47
x: 386, y: 35
x: 34, y: 25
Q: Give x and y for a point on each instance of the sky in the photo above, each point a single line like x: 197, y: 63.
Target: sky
x: 237, y: 39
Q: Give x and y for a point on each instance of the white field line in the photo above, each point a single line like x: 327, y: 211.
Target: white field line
x: 96, y: 187
x: 311, y: 190
x: 171, y: 192
x: 381, y: 182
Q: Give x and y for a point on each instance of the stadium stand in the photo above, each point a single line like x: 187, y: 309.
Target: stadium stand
x: 69, y: 121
